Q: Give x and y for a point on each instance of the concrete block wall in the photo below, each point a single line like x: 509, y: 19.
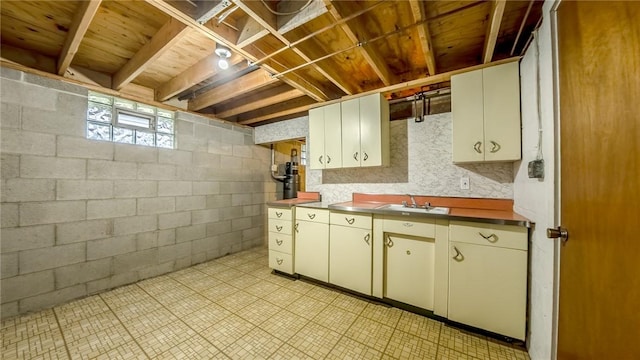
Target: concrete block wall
x: 81, y: 216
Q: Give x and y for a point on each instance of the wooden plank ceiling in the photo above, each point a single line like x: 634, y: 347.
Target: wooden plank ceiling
x: 286, y: 55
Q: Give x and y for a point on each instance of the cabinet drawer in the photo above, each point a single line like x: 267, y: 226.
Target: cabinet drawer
x: 280, y: 213
x: 281, y: 242
x: 281, y: 261
x: 280, y: 226
x: 314, y: 215
x: 422, y: 228
x: 506, y: 236
x: 350, y: 219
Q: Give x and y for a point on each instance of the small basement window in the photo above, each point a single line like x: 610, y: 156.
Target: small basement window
x: 119, y: 120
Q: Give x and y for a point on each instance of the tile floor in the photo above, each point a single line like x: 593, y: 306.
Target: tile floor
x: 233, y: 307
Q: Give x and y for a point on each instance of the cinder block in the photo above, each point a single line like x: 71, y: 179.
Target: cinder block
x: 9, y: 73
x: 81, y: 273
x: 51, y: 257
x: 243, y: 151
x: 183, y: 262
x: 18, y: 190
x: 112, y: 282
x: 174, y: 188
x: 156, y: 270
x: 134, y: 224
x: 259, y: 198
x: 27, y: 95
x: 157, y: 205
x: 191, y: 203
x: 206, y: 188
x: 174, y: 220
x: 55, y: 84
x: 9, y: 215
x: 9, y: 166
x: 136, y: 153
x: 240, y: 224
x: 204, y: 216
x: 69, y: 233
x: 241, y: 199
x: 254, y: 164
x: 53, y: 298
x: 102, y: 209
x: 98, y: 249
x: 207, y: 132
x: 253, y: 233
x: 9, y: 263
x: 52, y: 167
x: 189, y: 233
x: 184, y: 127
x: 204, y: 245
x: 133, y: 261
x: 252, y: 210
x: 231, y: 212
x: 166, y: 237
x: 66, y: 118
x: 26, y: 142
x: 173, y: 252
x: 156, y: 172
x: 205, y: 159
x: 147, y: 240
x: 230, y: 162
x: 27, y: 238
x: 108, y: 170
x: 9, y: 309
x: 84, y: 189
x: 78, y: 147
x: 231, y: 242
x: 218, y: 201
x: 174, y: 157
x: 22, y: 286
x: 192, y: 173
x: 135, y: 189
x: 51, y: 212
x: 219, y: 147
x: 217, y: 228
x: 191, y: 143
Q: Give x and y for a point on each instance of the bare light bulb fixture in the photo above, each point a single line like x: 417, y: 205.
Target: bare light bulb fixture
x: 223, y: 53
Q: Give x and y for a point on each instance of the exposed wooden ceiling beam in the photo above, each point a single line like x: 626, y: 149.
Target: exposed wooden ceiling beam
x: 287, y: 23
x: 211, y: 32
x: 259, y: 100
x: 252, y: 81
x: 202, y: 70
x: 251, y: 32
x: 493, y: 29
x: 417, y: 9
x: 269, y: 21
x: 81, y: 21
x: 374, y: 59
x: 170, y: 33
x: 296, y: 106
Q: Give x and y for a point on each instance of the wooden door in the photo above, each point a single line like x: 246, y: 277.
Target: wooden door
x: 350, y: 258
x: 467, y: 112
x: 599, y: 70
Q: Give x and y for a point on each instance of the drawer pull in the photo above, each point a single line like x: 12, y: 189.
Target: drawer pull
x: 490, y: 237
x: 296, y: 227
x: 350, y: 221
x: 279, y: 261
x: 278, y: 214
x: 458, y: 256
x: 279, y: 242
x: 407, y: 224
x: 279, y: 228
x: 311, y: 216
x: 389, y: 241
x: 366, y: 238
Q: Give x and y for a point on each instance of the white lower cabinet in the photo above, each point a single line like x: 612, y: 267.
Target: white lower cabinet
x: 410, y: 270
x: 350, y: 257
x: 312, y: 244
x: 280, y: 242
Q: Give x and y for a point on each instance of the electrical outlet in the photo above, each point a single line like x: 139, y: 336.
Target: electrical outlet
x: 464, y: 183
x: 274, y: 168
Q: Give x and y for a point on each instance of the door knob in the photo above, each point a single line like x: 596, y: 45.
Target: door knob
x: 559, y: 232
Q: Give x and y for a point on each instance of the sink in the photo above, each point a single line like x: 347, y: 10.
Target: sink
x: 421, y: 210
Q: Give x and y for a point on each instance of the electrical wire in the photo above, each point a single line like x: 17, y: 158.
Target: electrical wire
x: 287, y: 13
x: 539, y: 103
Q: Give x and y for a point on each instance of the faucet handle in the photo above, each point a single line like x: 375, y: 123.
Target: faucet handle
x: 404, y: 203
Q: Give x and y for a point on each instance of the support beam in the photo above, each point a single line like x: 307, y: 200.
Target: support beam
x: 78, y: 28
x: 169, y: 34
x: 493, y: 29
x: 251, y: 32
x: 284, y: 109
x: 372, y: 57
x: 202, y: 70
x: 260, y: 100
x: 417, y: 9
x: 250, y: 82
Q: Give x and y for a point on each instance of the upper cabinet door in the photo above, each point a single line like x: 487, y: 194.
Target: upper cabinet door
x: 374, y: 130
x: 316, y: 138
x: 332, y: 136
x: 502, y: 112
x: 351, y: 154
x: 467, y: 112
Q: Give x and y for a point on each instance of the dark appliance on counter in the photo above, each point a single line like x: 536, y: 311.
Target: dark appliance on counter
x: 290, y: 180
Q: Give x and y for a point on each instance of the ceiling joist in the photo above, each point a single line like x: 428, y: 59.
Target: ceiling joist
x: 493, y: 29
x: 250, y: 32
x: 417, y: 9
x: 260, y: 100
x: 297, y: 106
x: 81, y: 22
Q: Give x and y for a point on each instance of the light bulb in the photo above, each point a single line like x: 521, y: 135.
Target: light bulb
x: 223, y: 64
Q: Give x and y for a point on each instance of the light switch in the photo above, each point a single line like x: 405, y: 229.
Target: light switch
x: 464, y: 183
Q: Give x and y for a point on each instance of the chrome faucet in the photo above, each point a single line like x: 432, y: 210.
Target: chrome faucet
x: 413, y: 201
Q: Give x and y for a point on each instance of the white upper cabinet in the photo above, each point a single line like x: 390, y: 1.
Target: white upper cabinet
x: 325, y: 136
x: 365, y: 131
x: 485, y: 106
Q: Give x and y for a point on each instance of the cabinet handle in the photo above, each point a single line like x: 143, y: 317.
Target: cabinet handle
x: 296, y: 227
x: 389, y: 241
x: 458, y: 256
x: 320, y: 159
x: 476, y: 147
x: 355, y: 156
x: 488, y: 238
x: 278, y: 214
x: 311, y: 216
x: 328, y: 159
x: 366, y: 238
x: 279, y: 261
x: 366, y: 156
x: 279, y: 228
x: 408, y: 252
x: 279, y: 242
x: 496, y: 147
x: 407, y: 224
x: 350, y: 221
